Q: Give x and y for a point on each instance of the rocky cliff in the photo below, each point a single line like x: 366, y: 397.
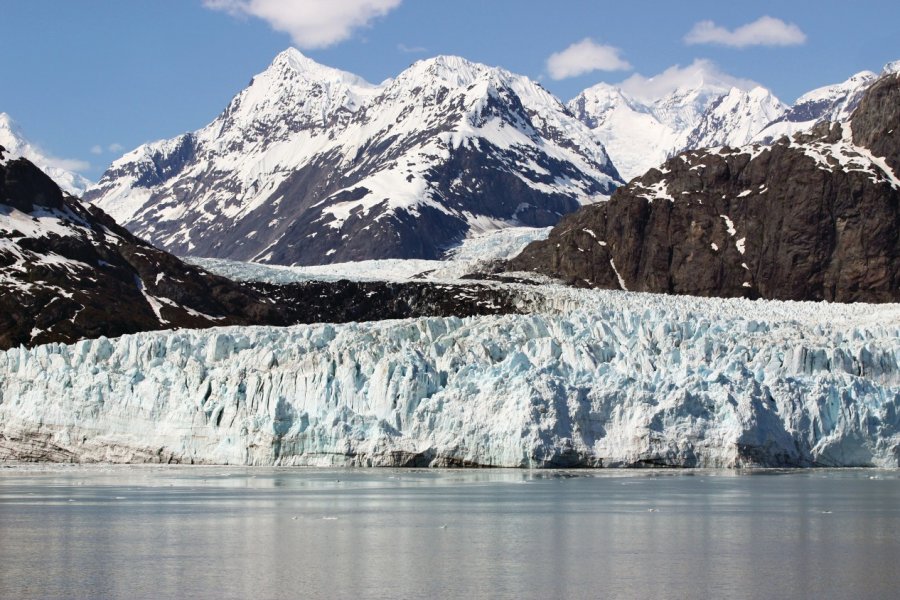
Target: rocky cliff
x: 813, y: 217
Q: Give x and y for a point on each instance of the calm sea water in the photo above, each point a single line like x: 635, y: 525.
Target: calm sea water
x: 299, y: 533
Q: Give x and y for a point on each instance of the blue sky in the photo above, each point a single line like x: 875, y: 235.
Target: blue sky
x: 85, y: 78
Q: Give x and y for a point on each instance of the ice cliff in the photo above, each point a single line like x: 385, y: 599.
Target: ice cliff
x: 595, y: 378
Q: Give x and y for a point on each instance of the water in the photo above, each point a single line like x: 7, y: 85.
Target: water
x: 145, y: 532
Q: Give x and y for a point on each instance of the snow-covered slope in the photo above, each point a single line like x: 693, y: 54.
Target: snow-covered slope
x: 311, y: 165
x: 641, y: 130
x: 17, y: 146
x: 829, y: 103
x: 594, y: 378
x: 68, y: 271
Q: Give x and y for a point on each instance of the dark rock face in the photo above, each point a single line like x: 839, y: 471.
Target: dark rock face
x: 68, y: 272
x: 876, y: 121
x: 812, y: 218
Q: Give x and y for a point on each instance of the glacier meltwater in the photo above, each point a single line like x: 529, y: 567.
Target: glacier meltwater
x: 588, y: 378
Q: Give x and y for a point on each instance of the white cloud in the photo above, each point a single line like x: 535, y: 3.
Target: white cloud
x: 67, y: 164
x: 583, y: 57
x: 765, y: 31
x: 310, y: 23
x: 411, y: 49
x: 116, y: 147
x: 96, y: 149
x: 700, y: 72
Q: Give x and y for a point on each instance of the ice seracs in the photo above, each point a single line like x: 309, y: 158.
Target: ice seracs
x: 593, y: 378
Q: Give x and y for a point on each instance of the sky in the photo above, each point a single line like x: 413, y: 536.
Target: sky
x: 87, y: 80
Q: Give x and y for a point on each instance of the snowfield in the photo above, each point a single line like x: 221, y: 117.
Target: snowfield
x: 591, y: 378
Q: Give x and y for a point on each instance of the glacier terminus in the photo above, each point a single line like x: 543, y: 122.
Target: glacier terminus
x: 591, y: 378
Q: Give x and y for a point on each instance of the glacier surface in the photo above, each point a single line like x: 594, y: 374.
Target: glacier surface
x: 592, y: 378
x: 474, y: 254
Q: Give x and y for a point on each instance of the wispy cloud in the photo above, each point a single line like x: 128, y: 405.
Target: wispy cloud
x: 765, y: 31
x: 700, y: 72
x: 68, y: 164
x: 583, y: 57
x: 114, y: 148
x: 412, y: 49
x: 310, y: 23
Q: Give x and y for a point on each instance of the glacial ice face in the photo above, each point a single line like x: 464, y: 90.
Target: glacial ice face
x: 595, y: 379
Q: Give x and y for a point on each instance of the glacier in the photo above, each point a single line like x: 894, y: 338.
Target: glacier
x: 589, y: 378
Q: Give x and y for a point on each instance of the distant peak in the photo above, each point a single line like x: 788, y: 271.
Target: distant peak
x: 7, y: 122
x: 292, y: 60
x: 455, y: 70
x: 864, y: 76
x: 450, y: 61
x: 295, y: 59
x: 700, y: 79
x: 604, y: 89
x: 891, y: 67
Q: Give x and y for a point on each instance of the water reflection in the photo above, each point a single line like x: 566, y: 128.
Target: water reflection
x: 284, y: 533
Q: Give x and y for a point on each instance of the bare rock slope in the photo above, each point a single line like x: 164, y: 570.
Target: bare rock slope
x: 813, y: 217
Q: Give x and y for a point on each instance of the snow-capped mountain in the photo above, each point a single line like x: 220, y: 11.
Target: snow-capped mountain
x: 17, y: 145
x: 311, y: 165
x: 641, y: 129
x: 829, y: 103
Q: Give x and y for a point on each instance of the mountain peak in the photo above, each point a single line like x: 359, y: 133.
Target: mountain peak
x: 10, y: 127
x: 838, y: 90
x: 16, y: 143
x: 296, y: 60
x: 453, y: 70
x: 891, y: 67
x: 291, y: 62
x: 603, y: 90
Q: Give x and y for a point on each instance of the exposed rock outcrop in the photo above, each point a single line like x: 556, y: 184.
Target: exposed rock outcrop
x: 814, y: 217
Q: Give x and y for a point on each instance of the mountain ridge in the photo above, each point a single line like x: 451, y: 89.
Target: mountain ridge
x: 329, y: 169
x: 641, y: 128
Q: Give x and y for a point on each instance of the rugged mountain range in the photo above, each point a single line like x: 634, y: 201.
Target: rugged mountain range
x: 16, y: 143
x: 311, y: 165
x: 834, y: 103
x: 814, y: 217
x: 705, y: 109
